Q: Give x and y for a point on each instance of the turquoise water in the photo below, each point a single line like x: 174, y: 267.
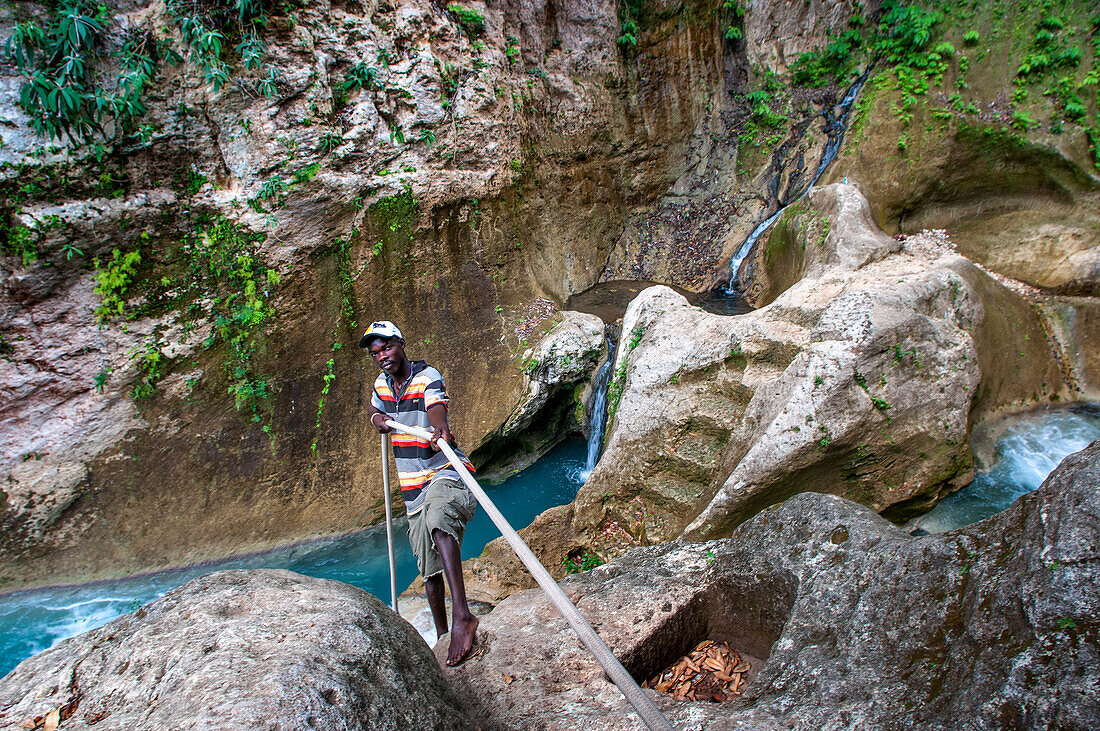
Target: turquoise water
x: 32, y: 621
x: 1024, y: 454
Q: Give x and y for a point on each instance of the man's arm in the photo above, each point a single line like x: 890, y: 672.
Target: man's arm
x: 379, y: 423
x: 437, y: 417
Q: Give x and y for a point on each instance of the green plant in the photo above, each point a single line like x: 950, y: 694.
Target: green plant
x: 273, y: 188
x: 582, y: 561
x: 100, y: 379
x: 208, y: 27
x: 971, y: 38
x: 112, y: 280
x: 328, y: 377
x: 330, y: 141
x: 20, y: 243
x: 427, y: 136
x: 269, y: 84
x: 69, y: 249
x: 1066, y: 623
x: 471, y: 21
x: 149, y: 362
x: 635, y: 337
x: 61, y: 92
x: 628, y: 38
x: 360, y: 76
x: 735, y: 15
x: 511, y: 49
x: 306, y: 174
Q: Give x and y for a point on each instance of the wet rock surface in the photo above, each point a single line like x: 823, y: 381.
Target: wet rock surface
x: 241, y: 649
x: 850, y: 622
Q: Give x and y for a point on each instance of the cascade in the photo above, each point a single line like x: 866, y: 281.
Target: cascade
x: 835, y: 126
x: 597, y: 421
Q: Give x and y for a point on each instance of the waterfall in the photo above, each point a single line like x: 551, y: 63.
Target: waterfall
x: 597, y: 419
x: 835, y: 126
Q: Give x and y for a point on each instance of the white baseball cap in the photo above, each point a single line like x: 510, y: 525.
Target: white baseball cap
x: 380, y: 329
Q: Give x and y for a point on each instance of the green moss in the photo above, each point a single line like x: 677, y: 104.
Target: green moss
x: 471, y: 21
x: 394, y: 220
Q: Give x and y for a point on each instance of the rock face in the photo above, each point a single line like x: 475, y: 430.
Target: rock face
x: 848, y: 622
x: 479, y: 172
x: 1026, y: 207
x: 236, y: 649
x: 863, y: 379
x: 553, y: 369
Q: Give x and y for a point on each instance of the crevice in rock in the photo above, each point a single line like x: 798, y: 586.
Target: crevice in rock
x: 500, y: 455
x: 746, y: 612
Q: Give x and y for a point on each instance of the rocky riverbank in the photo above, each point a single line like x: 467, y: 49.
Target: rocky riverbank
x: 846, y: 620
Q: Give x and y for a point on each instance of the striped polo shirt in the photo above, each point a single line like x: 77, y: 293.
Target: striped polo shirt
x: 417, y: 462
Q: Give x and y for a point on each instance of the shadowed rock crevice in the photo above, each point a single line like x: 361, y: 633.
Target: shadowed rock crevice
x: 746, y: 612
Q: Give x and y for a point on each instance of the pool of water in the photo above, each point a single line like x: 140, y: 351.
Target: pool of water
x: 32, y: 621
x: 1024, y: 449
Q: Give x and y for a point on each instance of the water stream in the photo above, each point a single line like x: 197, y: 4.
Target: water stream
x: 31, y: 621
x: 597, y: 419
x: 1019, y: 452
x: 1022, y: 451
x: 836, y: 124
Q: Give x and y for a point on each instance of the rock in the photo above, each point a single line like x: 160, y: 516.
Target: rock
x: 862, y: 378
x: 832, y: 229
x: 563, y: 357
x: 847, y: 621
x: 235, y: 649
x: 561, y: 361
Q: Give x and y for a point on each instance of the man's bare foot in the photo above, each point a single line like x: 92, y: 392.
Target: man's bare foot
x: 462, y: 639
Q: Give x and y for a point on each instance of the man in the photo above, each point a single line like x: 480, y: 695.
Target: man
x: 437, y: 503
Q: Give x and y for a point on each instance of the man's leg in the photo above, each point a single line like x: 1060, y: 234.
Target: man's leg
x: 433, y: 587
x: 463, y: 622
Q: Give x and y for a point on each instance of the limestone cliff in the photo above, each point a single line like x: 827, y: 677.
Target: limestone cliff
x: 185, y: 268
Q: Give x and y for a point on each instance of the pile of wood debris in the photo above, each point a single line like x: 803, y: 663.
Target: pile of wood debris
x: 710, y: 672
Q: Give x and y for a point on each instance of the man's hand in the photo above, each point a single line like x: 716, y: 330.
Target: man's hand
x: 378, y: 419
x: 441, y: 432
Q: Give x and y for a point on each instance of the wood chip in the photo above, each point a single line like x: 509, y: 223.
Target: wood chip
x: 710, y: 672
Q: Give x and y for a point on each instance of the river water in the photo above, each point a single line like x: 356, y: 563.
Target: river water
x: 1022, y: 451
x: 32, y: 621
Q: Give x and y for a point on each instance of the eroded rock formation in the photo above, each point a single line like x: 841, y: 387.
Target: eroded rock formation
x: 863, y: 378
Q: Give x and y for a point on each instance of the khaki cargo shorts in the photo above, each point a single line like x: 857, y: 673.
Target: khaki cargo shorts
x: 449, y: 506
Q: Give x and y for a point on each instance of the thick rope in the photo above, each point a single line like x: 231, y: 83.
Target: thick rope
x: 389, y: 519
x: 650, y: 714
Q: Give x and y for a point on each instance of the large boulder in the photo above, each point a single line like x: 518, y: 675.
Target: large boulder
x: 240, y: 649
x: 848, y: 622
x: 863, y: 378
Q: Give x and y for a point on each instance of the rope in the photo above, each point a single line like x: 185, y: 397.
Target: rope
x: 650, y: 714
x: 389, y: 519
